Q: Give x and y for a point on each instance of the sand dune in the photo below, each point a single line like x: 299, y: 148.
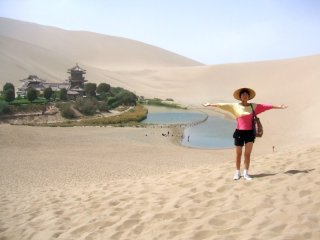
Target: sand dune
x: 132, y: 183
x: 152, y: 72
x: 198, y: 200
x: 42, y: 47
x: 293, y: 82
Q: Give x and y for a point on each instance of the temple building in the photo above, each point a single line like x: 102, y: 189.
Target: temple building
x: 76, y: 81
x: 74, y: 84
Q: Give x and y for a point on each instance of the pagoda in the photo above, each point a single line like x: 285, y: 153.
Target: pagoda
x: 76, y: 81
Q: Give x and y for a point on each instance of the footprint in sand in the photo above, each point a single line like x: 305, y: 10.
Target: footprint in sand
x: 56, y: 235
x: 217, y: 222
x: 127, y: 224
x: 173, y: 234
x: 202, y: 235
x: 116, y: 236
x: 114, y: 203
x: 304, y: 193
x: 222, y: 189
x: 137, y: 230
x: 278, y: 229
x: 80, y: 230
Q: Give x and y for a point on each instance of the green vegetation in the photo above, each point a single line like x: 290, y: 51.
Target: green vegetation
x: 47, y: 93
x: 67, y: 110
x: 19, y: 105
x: 8, y: 93
x: 158, y: 102
x: 84, y: 110
x: 87, y: 106
x: 90, y: 89
x: 128, y: 118
x: 24, y: 101
x: 32, y: 94
x: 103, y: 88
x: 63, y: 94
x: 8, y: 86
x: 101, y: 98
x: 4, y: 107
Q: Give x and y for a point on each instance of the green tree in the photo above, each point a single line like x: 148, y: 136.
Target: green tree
x: 8, y: 86
x: 90, y: 89
x: 8, y: 92
x: 126, y: 97
x: 32, y: 94
x: 64, y: 94
x: 47, y: 93
x: 103, y: 88
x: 9, y: 95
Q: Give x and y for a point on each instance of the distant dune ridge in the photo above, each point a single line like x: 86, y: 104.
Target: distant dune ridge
x: 50, y: 51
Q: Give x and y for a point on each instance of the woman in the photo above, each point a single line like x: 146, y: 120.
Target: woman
x: 244, y: 134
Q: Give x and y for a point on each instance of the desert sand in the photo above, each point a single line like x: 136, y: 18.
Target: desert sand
x: 133, y: 183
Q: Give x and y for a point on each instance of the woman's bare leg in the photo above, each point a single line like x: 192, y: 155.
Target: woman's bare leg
x: 247, y: 155
x: 238, y: 157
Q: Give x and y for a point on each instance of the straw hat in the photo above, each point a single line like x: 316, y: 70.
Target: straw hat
x: 236, y: 93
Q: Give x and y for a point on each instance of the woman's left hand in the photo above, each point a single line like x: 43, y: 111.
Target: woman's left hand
x: 282, y: 106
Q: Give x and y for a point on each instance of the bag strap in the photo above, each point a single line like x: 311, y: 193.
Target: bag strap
x: 253, y: 112
x: 253, y: 119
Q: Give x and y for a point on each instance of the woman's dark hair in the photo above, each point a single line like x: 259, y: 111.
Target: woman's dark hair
x: 244, y: 91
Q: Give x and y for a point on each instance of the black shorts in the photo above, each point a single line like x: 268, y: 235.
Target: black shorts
x: 242, y: 137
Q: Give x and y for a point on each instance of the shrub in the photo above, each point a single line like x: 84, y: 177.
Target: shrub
x: 135, y: 115
x: 102, y: 97
x: 90, y: 89
x: 67, y: 111
x: 4, y: 108
x: 103, y: 88
x: 87, y: 106
x: 127, y: 98
x: 113, y: 102
x: 47, y: 93
x: 32, y: 94
x: 103, y: 106
x: 9, y: 95
x: 64, y: 94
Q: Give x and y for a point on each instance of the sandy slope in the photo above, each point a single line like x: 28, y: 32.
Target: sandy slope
x: 106, y: 183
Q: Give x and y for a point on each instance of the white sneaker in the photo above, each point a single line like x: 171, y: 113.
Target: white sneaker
x: 236, y: 176
x: 247, y: 177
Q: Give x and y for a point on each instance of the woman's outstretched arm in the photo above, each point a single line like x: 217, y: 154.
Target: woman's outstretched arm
x: 209, y: 105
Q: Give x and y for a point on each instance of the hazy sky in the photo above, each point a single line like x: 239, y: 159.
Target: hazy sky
x: 209, y: 31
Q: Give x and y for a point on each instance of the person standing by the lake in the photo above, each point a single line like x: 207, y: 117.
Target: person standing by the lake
x: 244, y: 133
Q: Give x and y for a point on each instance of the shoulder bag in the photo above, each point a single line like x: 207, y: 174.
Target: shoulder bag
x: 256, y: 124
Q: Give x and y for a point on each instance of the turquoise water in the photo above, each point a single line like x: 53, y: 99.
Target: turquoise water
x: 164, y: 115
x: 174, y: 117
x: 216, y: 132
